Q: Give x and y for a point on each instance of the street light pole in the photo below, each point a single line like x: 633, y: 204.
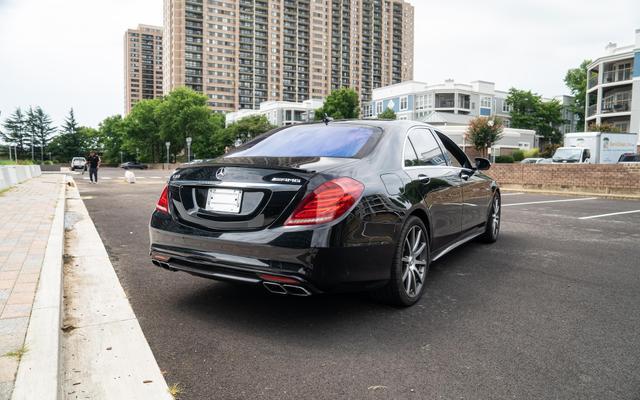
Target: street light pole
x: 189, y: 149
x: 33, y: 158
x: 168, y: 144
x: 121, y: 157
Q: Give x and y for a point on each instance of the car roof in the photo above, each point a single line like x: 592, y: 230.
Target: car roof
x: 391, y: 126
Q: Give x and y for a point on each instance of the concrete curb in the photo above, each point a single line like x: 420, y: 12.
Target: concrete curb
x: 105, y: 352
x: 38, y: 371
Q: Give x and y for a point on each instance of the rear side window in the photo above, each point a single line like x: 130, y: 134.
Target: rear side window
x: 342, y: 141
x: 426, y: 148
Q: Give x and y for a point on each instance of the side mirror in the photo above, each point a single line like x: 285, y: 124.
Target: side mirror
x: 482, y: 164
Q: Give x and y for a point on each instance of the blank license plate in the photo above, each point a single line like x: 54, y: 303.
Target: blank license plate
x: 224, y: 200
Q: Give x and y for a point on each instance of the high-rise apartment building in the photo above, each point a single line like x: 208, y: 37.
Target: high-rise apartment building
x: 142, y: 64
x: 241, y: 53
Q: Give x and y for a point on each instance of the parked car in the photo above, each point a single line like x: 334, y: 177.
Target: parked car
x: 629, y: 158
x: 545, y: 161
x: 531, y: 160
x: 312, y: 208
x: 78, y: 163
x: 133, y: 165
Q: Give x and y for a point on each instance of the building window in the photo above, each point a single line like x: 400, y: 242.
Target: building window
x: 523, y: 145
x: 379, y: 108
x: 486, y: 102
x: 404, y: 103
x: 506, y: 107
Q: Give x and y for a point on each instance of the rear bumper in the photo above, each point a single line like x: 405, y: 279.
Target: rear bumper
x: 313, y: 257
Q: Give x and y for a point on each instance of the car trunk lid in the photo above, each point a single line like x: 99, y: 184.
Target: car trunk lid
x: 234, y: 194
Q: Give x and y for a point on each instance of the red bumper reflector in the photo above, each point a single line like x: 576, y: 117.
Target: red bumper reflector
x: 279, y: 279
x: 159, y: 257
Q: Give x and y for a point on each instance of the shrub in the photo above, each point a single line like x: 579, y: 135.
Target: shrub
x: 504, y: 160
x: 533, y: 153
x: 518, y: 155
x: 48, y: 162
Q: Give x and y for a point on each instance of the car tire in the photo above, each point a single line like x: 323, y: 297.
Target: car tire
x: 492, y: 228
x: 410, y: 264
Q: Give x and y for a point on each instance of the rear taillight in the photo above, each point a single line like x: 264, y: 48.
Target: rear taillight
x: 327, y: 202
x: 163, y: 202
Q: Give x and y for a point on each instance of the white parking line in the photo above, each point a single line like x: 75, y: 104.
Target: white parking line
x: 511, y: 194
x: 610, y: 214
x: 155, y: 177
x: 549, y: 201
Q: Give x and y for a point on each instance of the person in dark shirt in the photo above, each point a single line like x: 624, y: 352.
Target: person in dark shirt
x: 94, y: 164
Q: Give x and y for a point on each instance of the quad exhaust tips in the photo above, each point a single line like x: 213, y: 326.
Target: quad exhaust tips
x: 286, y: 289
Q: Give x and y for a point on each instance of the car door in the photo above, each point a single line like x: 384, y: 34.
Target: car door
x: 476, y: 188
x: 438, y: 185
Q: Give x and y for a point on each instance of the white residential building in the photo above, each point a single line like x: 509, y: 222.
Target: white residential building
x: 613, y: 90
x: 280, y: 113
x: 451, y: 106
x: 419, y: 101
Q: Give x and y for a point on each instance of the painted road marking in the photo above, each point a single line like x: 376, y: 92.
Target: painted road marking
x: 610, y: 214
x: 549, y: 201
x: 512, y: 194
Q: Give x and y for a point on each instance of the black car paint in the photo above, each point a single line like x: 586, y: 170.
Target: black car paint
x: 352, y: 252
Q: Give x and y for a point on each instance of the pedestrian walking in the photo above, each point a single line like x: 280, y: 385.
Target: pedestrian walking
x: 94, y: 164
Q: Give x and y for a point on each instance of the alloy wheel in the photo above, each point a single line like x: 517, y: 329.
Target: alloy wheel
x: 414, y: 263
x: 495, y: 216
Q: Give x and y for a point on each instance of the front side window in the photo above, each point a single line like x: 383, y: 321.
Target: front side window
x: 426, y: 148
x: 455, y: 156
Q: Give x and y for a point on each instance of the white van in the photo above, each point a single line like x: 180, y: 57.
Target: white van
x: 595, y: 147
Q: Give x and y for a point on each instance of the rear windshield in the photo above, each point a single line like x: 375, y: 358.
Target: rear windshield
x: 313, y: 141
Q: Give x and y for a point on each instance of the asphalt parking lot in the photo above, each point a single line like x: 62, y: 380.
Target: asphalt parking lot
x: 550, y: 311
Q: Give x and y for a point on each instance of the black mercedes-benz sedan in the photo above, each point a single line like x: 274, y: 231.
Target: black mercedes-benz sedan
x: 326, y: 207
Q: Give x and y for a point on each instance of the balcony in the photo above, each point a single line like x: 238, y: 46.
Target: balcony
x: 593, y: 81
x: 591, y: 111
x: 620, y: 102
x: 617, y: 75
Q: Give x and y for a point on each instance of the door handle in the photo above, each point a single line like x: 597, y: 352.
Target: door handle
x: 423, y: 178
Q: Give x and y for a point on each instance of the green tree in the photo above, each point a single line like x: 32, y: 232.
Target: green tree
x: 40, y: 128
x: 211, y: 144
x: 15, y: 131
x: 245, y: 129
x: 184, y: 113
x: 141, y: 131
x: 549, y: 117
x: 484, y: 132
x: 340, y: 104
x: 111, y: 132
x: 71, y: 142
x: 528, y: 111
x: 576, y: 80
x: 387, y: 114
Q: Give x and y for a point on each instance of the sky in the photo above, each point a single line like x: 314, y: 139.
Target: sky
x: 60, y: 54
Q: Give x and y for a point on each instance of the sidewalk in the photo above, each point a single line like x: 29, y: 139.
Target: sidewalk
x: 26, y: 218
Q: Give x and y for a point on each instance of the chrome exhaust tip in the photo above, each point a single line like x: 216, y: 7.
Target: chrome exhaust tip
x: 274, y: 287
x: 297, y: 290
